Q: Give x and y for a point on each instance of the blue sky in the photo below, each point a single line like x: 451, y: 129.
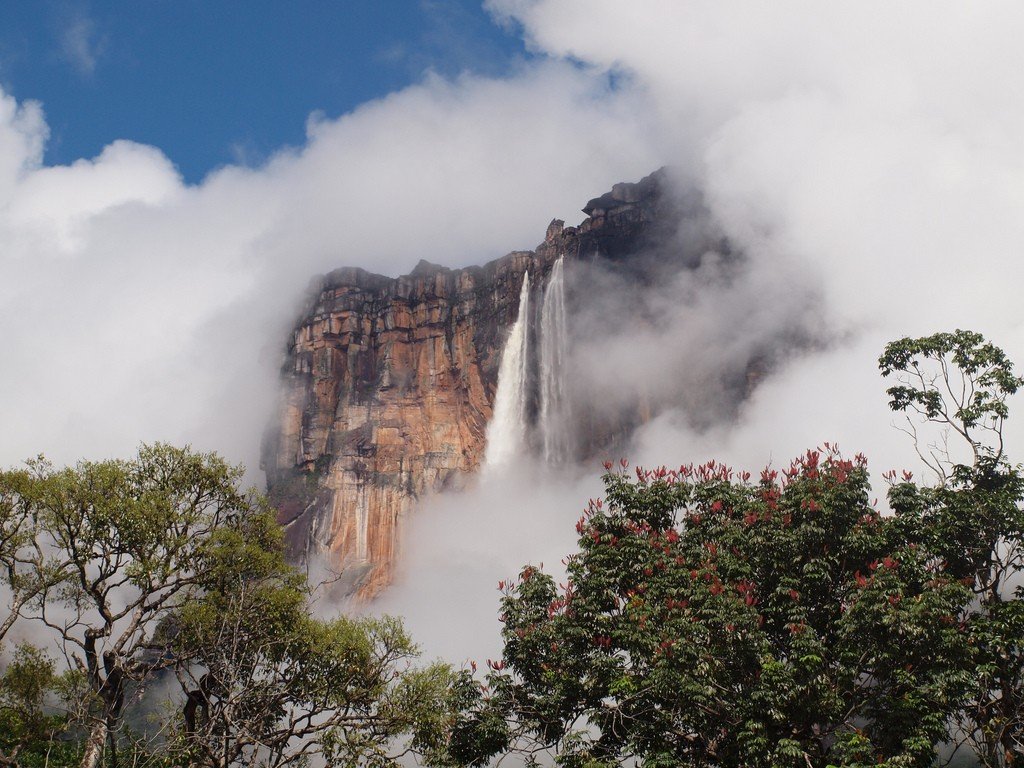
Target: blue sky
x: 213, y: 82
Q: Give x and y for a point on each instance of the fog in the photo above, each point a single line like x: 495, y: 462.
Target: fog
x: 865, y: 159
x: 136, y: 308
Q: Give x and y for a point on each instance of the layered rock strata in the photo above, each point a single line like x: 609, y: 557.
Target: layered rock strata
x: 389, y: 384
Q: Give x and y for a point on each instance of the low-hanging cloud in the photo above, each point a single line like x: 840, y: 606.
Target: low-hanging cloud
x: 136, y: 307
x: 690, y: 322
x: 867, y: 153
x: 865, y: 158
x: 873, y: 150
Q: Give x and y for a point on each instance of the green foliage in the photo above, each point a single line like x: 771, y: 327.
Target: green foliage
x: 266, y: 683
x: 957, y: 380
x: 982, y: 365
x: 24, y: 688
x: 118, y: 547
x: 973, y: 522
x: 711, y: 620
x: 708, y: 619
x: 159, y: 568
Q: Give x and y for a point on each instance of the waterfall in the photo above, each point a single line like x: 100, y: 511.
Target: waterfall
x: 554, y: 419
x: 506, y: 434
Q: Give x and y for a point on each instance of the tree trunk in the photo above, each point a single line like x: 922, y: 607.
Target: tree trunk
x: 1009, y: 745
x: 93, y: 754
x: 112, y: 742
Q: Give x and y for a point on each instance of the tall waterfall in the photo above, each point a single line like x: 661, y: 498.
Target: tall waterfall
x: 554, y: 419
x: 506, y: 434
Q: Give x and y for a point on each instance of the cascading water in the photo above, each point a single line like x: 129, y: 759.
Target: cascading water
x: 554, y: 419
x: 506, y: 434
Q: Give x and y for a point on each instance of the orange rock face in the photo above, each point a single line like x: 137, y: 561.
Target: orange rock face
x: 387, y: 398
x: 387, y: 390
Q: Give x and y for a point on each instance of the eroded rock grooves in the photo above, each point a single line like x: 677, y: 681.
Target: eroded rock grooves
x: 389, y: 384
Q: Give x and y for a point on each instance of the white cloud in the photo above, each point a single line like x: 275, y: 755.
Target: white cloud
x: 875, y: 147
x: 81, y: 45
x: 138, y: 308
x: 459, y: 546
x: 871, y: 150
x: 23, y: 135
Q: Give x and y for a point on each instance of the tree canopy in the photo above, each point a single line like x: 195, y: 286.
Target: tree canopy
x: 714, y: 618
x: 708, y: 617
x: 157, y: 574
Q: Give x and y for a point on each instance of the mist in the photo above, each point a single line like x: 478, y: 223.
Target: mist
x: 138, y: 308
x: 863, y: 160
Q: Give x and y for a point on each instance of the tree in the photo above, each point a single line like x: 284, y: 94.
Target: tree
x: 958, y: 381
x: 708, y: 620
x: 160, y: 568
x: 973, y: 520
x: 26, y: 570
x: 123, y: 540
x: 14, y: 538
x: 27, y: 723
x: 268, y: 684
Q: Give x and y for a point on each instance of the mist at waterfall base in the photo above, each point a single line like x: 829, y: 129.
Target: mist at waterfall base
x: 706, y: 344
x: 871, y: 152
x: 599, y: 348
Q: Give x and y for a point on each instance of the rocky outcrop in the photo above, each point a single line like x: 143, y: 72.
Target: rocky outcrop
x: 389, y: 383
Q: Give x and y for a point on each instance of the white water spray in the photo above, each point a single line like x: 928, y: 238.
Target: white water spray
x: 554, y: 402
x: 506, y: 434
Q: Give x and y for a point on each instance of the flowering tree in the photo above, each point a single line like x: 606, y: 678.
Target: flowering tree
x: 710, y: 619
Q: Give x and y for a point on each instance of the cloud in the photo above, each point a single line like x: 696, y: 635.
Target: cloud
x: 460, y: 545
x: 136, y: 307
x: 875, y: 149
x: 23, y: 134
x: 868, y: 152
x: 867, y: 155
x: 81, y: 45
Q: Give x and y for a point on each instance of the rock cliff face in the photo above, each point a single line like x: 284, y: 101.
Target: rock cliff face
x: 389, y: 384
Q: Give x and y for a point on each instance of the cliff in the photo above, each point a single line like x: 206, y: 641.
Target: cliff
x: 389, y: 383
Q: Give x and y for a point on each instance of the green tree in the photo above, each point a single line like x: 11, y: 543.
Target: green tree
x: 708, y: 620
x: 132, y: 534
x: 26, y: 570
x: 159, y: 569
x: 29, y: 725
x: 16, y: 551
x: 973, y: 520
x: 267, y: 684
x: 958, y: 381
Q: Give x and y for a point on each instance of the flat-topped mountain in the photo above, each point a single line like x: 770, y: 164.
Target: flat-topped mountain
x: 389, y: 383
